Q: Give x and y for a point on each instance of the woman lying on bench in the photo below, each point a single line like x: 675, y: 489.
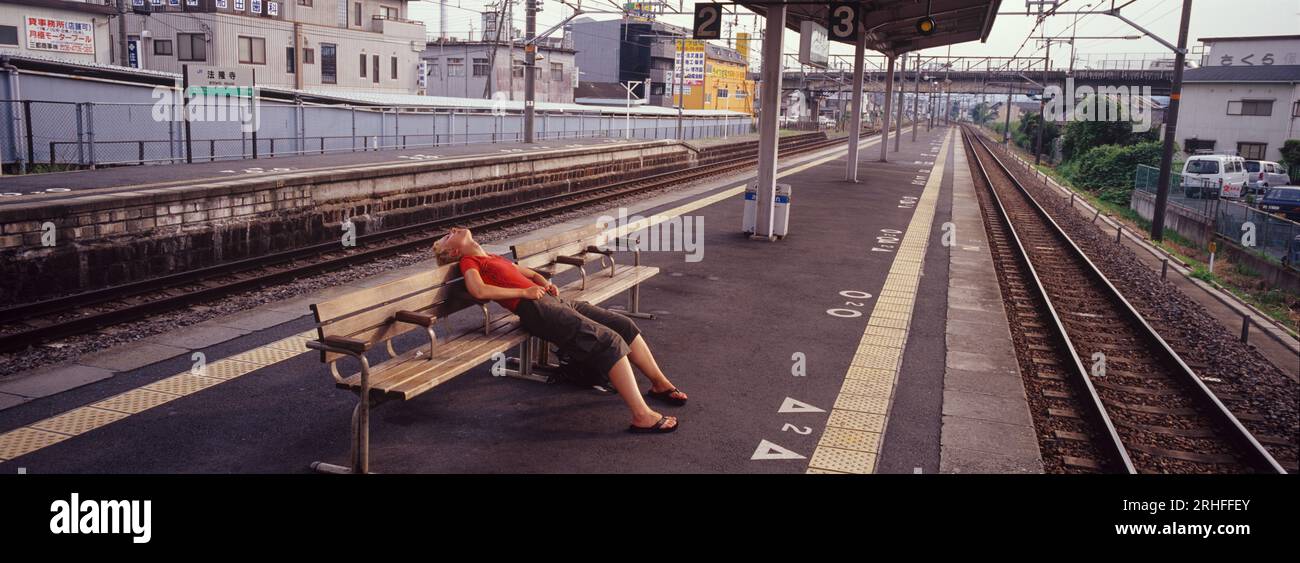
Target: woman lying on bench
x: 592, y: 335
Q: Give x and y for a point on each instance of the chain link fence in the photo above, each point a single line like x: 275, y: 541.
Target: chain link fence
x: 1274, y: 237
x: 87, y: 134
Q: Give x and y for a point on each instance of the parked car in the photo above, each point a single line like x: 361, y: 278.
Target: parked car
x: 1264, y: 174
x: 1214, y: 175
x: 1283, y: 201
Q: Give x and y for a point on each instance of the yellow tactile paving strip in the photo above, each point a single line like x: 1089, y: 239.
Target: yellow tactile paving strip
x: 853, y: 433
x: 44, y: 433
x: 50, y: 431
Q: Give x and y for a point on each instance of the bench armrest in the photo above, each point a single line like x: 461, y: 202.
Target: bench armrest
x: 341, y: 344
x: 412, y: 317
x: 571, y: 260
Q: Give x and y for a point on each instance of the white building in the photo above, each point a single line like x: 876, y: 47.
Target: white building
x: 74, y: 30
x: 1245, y: 98
x: 347, y: 45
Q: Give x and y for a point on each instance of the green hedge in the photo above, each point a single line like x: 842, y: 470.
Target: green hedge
x: 1108, y: 170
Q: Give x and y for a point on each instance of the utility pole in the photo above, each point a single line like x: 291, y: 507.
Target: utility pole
x: 1006, y: 130
x: 902, y: 88
x: 530, y: 63
x: 121, y: 34
x: 1171, y: 126
x: 680, y: 75
x: 916, y: 95
x: 1042, y: 103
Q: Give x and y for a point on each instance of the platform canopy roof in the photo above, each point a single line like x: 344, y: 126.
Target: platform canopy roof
x: 890, y: 25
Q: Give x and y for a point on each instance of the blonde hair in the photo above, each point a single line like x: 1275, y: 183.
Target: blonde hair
x: 443, y: 254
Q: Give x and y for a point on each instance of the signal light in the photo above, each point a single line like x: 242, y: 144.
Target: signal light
x: 925, y: 25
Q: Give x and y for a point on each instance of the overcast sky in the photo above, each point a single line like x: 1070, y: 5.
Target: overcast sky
x: 1210, y: 18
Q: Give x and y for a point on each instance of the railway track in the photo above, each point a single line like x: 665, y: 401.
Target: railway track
x: 1107, y: 393
x: 35, y: 323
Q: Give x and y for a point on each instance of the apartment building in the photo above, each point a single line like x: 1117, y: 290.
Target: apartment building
x: 345, y: 45
x: 1244, y: 99
x: 495, y: 70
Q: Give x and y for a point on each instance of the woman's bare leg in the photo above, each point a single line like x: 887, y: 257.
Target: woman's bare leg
x: 625, y: 382
x: 645, y: 361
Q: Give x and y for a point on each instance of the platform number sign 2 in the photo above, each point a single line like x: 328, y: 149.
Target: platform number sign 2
x: 708, y: 21
x: 843, y: 24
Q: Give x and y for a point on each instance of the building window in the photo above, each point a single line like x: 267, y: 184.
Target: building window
x: 306, y: 3
x: 374, y: 68
x: 8, y: 35
x: 518, y: 70
x: 1252, y: 151
x: 455, y: 66
x: 162, y: 47
x: 741, y: 94
x: 1295, y: 109
x: 391, y: 13
x: 252, y: 50
x: 191, y: 47
x: 1251, y: 107
x: 308, y: 56
x: 722, y: 93
x: 1190, y: 146
x: 435, y: 71
x: 392, y: 68
x: 557, y: 71
x: 481, y: 67
x: 363, y: 65
x: 356, y: 15
x: 290, y: 61
x: 329, y: 63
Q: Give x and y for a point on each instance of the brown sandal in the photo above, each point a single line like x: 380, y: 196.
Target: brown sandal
x: 667, y: 396
x: 658, y: 427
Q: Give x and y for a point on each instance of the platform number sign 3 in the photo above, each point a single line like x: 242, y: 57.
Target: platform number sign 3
x: 843, y: 24
x: 708, y: 21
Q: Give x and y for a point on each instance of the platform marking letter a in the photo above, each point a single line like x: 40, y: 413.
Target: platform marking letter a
x: 47, y: 234
x: 1248, y: 234
x: 800, y: 367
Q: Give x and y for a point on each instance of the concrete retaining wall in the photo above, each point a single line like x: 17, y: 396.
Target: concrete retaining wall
x: 126, y: 234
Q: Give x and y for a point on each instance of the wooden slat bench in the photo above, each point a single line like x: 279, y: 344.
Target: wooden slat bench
x: 352, y: 325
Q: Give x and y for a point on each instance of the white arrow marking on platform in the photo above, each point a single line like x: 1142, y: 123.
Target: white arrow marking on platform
x: 767, y: 450
x: 791, y: 405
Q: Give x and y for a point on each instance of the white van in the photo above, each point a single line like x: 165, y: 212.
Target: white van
x: 1214, y: 175
x: 1264, y: 174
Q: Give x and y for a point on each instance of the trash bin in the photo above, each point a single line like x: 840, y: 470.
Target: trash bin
x: 781, y: 211
x: 750, y: 222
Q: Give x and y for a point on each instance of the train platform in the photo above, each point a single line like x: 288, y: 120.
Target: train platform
x: 869, y: 340
x: 57, y: 185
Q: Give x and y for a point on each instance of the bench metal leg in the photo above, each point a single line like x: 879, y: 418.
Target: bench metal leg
x: 360, y: 446
x: 634, y: 304
x: 360, y: 451
x: 526, y: 358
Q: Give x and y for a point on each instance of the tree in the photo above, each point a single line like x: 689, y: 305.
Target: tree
x: 1028, y: 132
x: 1291, y: 157
x: 1080, y: 136
x: 981, y: 113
